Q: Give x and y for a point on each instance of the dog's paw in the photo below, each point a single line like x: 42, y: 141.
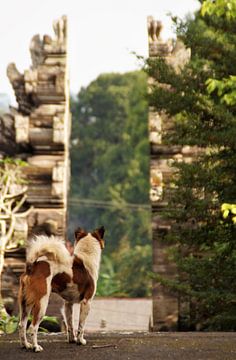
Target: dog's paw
x: 27, y: 346
x: 81, y: 341
x: 71, y: 341
x: 71, y: 337
x: 38, y: 348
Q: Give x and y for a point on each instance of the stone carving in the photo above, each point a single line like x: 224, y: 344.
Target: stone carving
x: 25, y: 103
x: 7, y: 134
x: 45, y: 81
x: 37, y: 51
x: 38, y: 130
x: 60, y: 29
x: 41, y: 48
x: 31, y: 78
x: 155, y: 42
x: 174, y: 52
x: 22, y: 128
x: 154, y: 29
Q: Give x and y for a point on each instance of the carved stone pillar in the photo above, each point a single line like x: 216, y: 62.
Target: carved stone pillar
x: 165, y: 304
x: 42, y: 125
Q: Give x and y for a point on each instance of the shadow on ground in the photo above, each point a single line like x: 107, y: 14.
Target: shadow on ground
x: 129, y: 346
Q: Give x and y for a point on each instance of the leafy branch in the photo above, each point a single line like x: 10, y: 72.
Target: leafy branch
x: 12, y: 199
x: 220, y: 8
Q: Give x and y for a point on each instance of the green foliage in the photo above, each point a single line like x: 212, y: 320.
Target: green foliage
x: 12, y: 161
x: 229, y: 210
x: 49, y: 322
x: 133, y: 270
x: 201, y: 104
x: 10, y: 167
x: 107, y: 284
x: 220, y: 8
x: 110, y: 166
x: 226, y: 89
x: 126, y: 273
x: 8, y: 324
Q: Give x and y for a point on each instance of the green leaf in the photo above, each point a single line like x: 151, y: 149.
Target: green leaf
x: 233, y: 209
x: 211, y: 85
x: 225, y: 206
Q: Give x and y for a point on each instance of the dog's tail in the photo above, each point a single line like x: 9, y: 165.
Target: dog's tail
x: 48, y: 248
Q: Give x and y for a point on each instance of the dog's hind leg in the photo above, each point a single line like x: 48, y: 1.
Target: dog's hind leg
x: 38, y: 313
x: 69, y: 322
x: 24, y: 311
x: 84, y: 311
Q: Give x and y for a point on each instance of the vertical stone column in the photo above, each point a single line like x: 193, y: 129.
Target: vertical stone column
x: 37, y: 131
x: 165, y: 304
x: 42, y: 129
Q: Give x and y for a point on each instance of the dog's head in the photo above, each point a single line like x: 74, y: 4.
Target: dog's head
x: 97, y: 234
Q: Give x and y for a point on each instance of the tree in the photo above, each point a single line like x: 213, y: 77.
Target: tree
x: 110, y: 160
x: 204, y: 247
x: 12, y: 198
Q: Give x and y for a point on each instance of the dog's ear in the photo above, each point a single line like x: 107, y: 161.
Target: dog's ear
x: 80, y: 233
x: 98, y: 234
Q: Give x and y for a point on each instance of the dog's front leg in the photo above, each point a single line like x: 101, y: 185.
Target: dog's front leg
x: 69, y: 322
x: 84, y: 311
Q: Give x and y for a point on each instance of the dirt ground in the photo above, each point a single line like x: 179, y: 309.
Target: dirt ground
x: 129, y: 346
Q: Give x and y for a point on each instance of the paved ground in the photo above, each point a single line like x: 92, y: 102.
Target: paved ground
x: 129, y: 346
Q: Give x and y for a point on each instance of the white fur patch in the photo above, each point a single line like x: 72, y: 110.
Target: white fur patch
x: 59, y: 259
x: 88, y: 249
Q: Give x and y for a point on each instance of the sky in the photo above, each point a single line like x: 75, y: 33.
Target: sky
x: 103, y: 34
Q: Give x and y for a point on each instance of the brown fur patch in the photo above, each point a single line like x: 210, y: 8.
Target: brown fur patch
x: 79, y: 234
x: 34, y: 286
x: 83, y: 279
x: 60, y: 281
x: 21, y: 297
x: 98, y: 234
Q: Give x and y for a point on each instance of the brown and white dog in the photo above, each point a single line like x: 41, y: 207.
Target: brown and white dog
x: 50, y: 267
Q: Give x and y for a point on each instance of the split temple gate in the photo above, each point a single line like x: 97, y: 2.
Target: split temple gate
x: 38, y: 132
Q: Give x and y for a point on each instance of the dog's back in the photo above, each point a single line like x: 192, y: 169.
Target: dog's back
x: 82, y: 284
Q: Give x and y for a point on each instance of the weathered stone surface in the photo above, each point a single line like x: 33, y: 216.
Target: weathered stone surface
x: 165, y: 304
